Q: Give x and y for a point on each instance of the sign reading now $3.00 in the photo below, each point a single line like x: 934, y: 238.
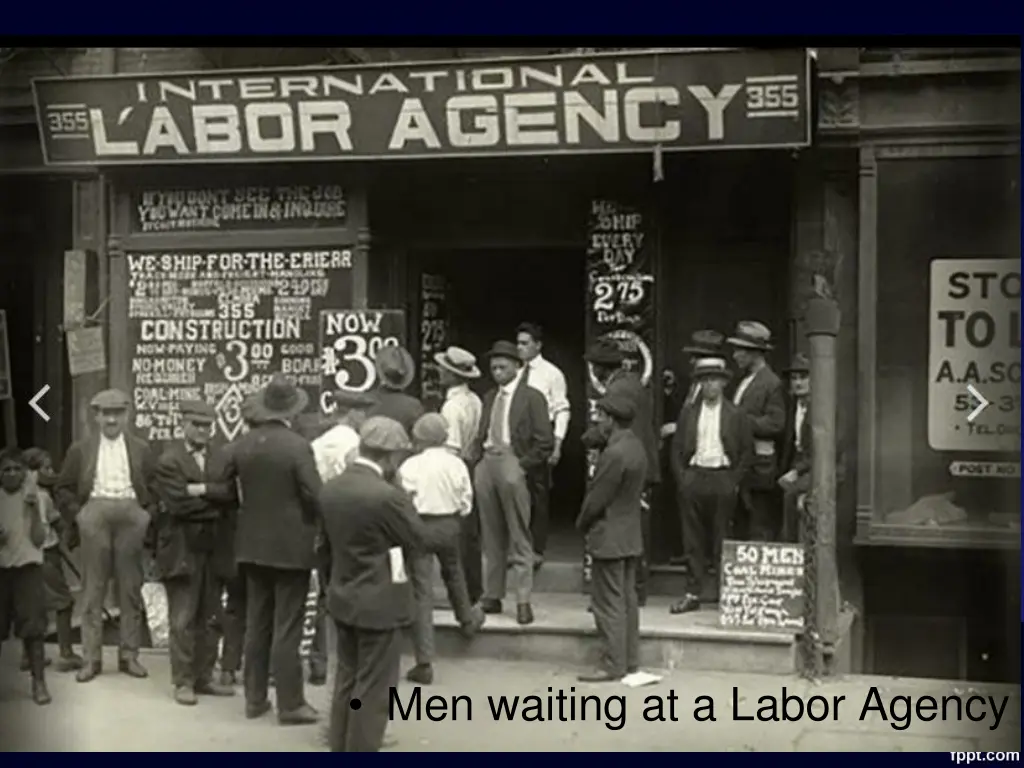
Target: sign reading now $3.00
x: 974, y: 339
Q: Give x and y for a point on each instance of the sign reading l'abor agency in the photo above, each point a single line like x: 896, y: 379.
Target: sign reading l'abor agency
x: 710, y: 99
x: 974, y: 341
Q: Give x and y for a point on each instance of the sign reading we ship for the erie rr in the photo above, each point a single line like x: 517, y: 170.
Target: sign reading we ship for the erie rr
x: 618, y: 102
x: 974, y: 339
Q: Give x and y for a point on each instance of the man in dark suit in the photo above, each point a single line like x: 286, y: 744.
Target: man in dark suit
x: 611, y: 522
x: 796, y: 453
x: 105, y: 491
x: 759, y: 395
x: 607, y: 362
x: 369, y: 522
x: 395, y: 372
x: 515, y: 438
x: 187, y: 526
x: 277, y: 522
x: 711, y: 452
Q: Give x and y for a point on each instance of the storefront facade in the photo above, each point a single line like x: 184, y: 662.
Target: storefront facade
x: 584, y: 197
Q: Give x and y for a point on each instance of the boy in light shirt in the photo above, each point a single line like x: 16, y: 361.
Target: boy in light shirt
x: 442, y: 493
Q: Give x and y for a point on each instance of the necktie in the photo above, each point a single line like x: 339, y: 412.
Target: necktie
x: 198, y: 455
x: 527, y: 370
x: 495, y: 432
x: 694, y: 391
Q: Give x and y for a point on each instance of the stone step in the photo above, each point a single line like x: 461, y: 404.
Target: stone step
x: 566, y: 577
x: 563, y: 633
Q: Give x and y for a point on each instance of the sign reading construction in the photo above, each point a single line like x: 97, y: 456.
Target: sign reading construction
x: 974, y: 340
x: 566, y: 104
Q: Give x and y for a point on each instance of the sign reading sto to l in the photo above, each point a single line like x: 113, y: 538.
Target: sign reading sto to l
x: 708, y: 99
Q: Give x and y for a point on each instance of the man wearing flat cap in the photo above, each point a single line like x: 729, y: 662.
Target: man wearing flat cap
x: 611, y: 522
x: 369, y: 521
x: 105, y: 490
x: 607, y: 360
x: 461, y: 411
x: 395, y: 372
x: 515, y: 437
x: 711, y: 452
x: 759, y: 395
x: 275, y: 473
x: 187, y: 527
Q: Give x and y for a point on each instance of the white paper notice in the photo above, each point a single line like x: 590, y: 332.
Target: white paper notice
x: 640, y: 678
x: 398, y: 575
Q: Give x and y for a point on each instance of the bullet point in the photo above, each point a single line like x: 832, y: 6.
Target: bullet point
x: 355, y: 703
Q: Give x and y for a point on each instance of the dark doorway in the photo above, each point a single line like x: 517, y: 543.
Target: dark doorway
x: 491, y: 292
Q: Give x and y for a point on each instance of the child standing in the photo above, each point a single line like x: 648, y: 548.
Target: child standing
x: 22, y: 591
x: 58, y: 594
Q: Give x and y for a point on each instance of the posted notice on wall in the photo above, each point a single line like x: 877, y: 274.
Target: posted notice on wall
x: 974, y: 355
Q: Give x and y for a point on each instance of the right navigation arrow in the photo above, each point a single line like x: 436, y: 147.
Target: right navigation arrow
x: 981, y: 406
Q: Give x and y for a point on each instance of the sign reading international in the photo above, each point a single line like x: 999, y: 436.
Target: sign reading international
x: 710, y: 99
x: 974, y: 340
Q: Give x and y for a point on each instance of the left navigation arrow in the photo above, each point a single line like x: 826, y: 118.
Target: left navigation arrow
x: 34, y: 403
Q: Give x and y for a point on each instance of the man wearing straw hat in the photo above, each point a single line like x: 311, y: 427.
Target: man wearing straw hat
x: 461, y: 410
x: 711, y: 454
x: 395, y: 372
x: 277, y: 523
x: 759, y: 394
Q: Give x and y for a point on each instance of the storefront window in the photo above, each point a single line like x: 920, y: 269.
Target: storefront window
x: 948, y: 315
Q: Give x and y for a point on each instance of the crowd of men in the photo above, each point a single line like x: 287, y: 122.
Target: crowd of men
x: 368, y: 500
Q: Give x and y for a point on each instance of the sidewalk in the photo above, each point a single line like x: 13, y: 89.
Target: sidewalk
x: 117, y: 713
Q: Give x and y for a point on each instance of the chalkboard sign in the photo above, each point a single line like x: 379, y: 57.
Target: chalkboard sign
x: 620, y: 297
x: 206, y: 209
x: 762, y: 586
x: 349, y: 342
x: 217, y: 325
x: 434, y: 332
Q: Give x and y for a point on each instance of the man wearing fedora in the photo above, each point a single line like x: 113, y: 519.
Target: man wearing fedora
x: 607, y: 360
x: 548, y: 379
x: 277, y: 524
x: 187, y: 533
x: 105, y: 490
x: 369, y: 521
x: 796, y: 452
x: 711, y: 452
x: 759, y: 394
x: 461, y: 409
x: 395, y: 372
x: 611, y: 522
x: 514, y: 438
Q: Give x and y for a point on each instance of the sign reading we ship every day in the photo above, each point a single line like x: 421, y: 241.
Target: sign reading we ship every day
x: 974, y: 340
x: 215, y: 326
x: 678, y: 100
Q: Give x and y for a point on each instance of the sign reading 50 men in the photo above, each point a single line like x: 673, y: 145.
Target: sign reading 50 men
x: 593, y: 103
x: 215, y: 326
x: 974, y: 340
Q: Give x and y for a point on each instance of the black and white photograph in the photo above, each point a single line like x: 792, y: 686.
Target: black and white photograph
x: 511, y: 399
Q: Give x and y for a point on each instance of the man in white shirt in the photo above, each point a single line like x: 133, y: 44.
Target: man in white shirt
x: 546, y: 378
x: 710, y: 453
x: 442, y: 493
x: 461, y: 410
x: 105, y: 489
x: 796, y: 454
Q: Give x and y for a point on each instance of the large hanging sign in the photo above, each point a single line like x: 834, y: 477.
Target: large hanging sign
x: 614, y: 102
x: 974, y: 355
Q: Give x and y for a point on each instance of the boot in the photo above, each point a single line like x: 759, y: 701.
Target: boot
x: 37, y: 667
x: 68, y: 660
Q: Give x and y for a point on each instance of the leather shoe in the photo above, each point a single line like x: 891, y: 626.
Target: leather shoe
x: 228, y: 678
x: 476, y: 621
x: 422, y: 674
x: 69, y: 662
x: 524, y: 614
x: 303, y: 715
x: 317, y: 675
x: 88, y: 672
x: 487, y: 605
x: 132, y: 668
x: 688, y: 604
x: 40, y: 693
x: 598, y: 676
x: 185, y: 696
x: 253, y: 711
x: 214, y: 689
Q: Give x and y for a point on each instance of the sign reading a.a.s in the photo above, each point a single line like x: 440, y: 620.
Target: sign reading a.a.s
x: 974, y: 340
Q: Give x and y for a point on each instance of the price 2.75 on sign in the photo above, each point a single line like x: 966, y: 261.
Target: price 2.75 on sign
x: 349, y: 342
x: 974, y: 340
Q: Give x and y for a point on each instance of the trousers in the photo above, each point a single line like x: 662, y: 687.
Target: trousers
x: 193, y: 605
x: 707, y: 500
x: 504, y: 500
x: 616, y: 613
x: 367, y: 669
